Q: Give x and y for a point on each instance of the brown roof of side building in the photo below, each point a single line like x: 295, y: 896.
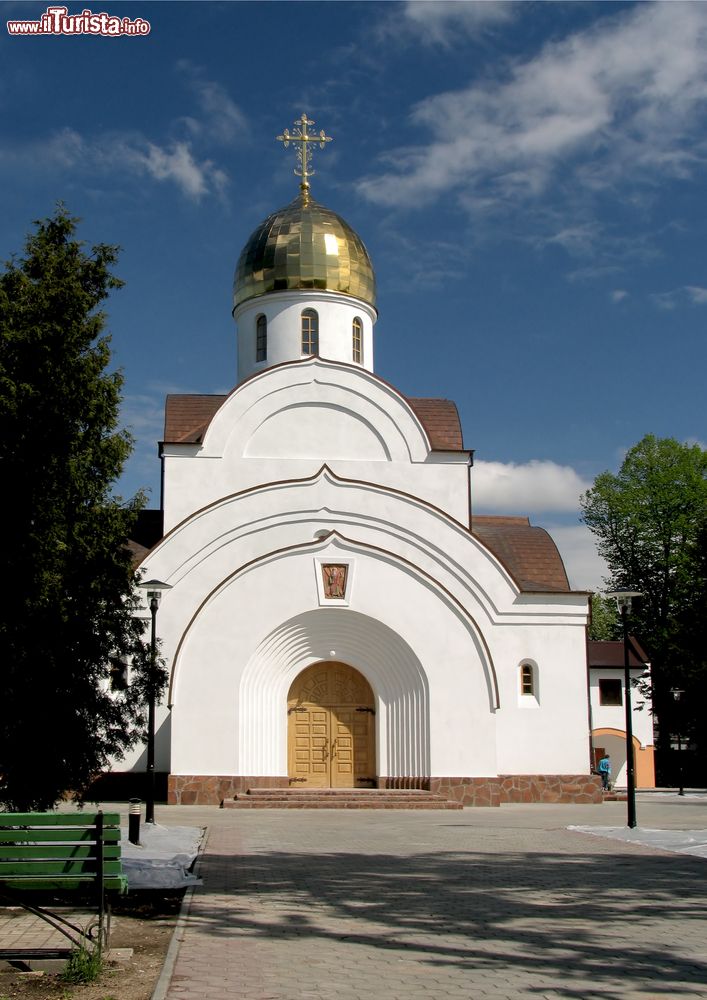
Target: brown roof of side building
x: 188, y: 416
x: 610, y: 653
x: 529, y: 553
x: 440, y: 418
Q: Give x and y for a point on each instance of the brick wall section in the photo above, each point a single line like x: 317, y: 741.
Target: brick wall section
x: 202, y: 790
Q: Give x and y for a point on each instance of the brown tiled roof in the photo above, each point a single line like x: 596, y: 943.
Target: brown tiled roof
x: 188, y: 416
x: 611, y: 653
x: 138, y: 552
x: 529, y: 553
x: 440, y: 418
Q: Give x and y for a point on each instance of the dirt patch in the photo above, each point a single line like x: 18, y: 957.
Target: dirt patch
x: 143, y: 922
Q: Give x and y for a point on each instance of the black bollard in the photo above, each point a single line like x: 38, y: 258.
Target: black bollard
x: 134, y: 813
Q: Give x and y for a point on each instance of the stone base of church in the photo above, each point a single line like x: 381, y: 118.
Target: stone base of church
x: 211, y: 789
x: 579, y: 789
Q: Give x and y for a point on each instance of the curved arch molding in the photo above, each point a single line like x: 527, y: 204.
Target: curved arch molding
x: 350, y: 546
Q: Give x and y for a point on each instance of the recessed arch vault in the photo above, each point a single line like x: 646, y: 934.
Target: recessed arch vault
x: 383, y: 657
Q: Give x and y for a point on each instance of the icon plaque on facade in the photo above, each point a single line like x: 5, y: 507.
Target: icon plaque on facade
x: 334, y: 579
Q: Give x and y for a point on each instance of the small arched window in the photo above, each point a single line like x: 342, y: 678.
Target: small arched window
x: 357, y: 341
x: 261, y: 338
x: 310, y: 332
x: 527, y: 680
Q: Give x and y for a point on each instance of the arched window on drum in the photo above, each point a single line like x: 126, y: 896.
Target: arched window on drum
x: 357, y: 335
x: 310, y: 332
x: 261, y: 338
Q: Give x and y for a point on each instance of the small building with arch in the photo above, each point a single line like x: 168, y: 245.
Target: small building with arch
x: 337, y: 616
x: 607, y: 701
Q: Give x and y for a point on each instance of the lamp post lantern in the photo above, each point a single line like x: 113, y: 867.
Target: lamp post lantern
x: 676, y: 693
x: 154, y: 590
x: 624, y: 600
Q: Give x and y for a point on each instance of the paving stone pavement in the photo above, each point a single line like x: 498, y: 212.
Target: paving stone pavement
x: 486, y: 903
x: 20, y: 929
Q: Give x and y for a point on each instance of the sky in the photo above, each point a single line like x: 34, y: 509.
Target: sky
x: 530, y: 180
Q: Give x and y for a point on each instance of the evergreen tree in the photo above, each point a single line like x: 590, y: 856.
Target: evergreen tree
x: 69, y: 598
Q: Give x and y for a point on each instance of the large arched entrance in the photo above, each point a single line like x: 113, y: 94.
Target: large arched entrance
x: 331, y: 728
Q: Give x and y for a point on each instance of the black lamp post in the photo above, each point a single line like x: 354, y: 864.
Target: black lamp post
x: 676, y: 693
x: 154, y: 590
x: 624, y: 599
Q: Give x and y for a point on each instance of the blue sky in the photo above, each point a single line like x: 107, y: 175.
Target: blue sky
x: 529, y: 179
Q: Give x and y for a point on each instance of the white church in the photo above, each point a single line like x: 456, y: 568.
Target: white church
x: 337, y: 618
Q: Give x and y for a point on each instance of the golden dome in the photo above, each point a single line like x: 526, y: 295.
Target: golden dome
x: 304, y: 245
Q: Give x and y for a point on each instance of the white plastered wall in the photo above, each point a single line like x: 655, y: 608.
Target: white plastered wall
x: 283, y: 311
x: 548, y: 732
x: 286, y: 422
x: 443, y: 607
x: 613, y: 717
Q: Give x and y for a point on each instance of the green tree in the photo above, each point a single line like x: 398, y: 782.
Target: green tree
x: 648, y: 520
x: 605, y: 624
x: 688, y: 655
x: 69, y: 583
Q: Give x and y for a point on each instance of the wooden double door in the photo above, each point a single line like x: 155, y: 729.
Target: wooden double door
x: 331, y: 728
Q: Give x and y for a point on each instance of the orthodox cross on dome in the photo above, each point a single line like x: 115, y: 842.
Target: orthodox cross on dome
x: 304, y: 139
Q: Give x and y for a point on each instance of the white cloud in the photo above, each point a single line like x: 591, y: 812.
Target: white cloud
x: 425, y: 263
x: 442, y: 21
x: 694, y: 294
x: 585, y: 567
x: 700, y: 444
x: 221, y: 119
x: 174, y: 161
x: 665, y: 300
x: 697, y: 295
x: 619, y: 294
x: 593, y: 271
x: 577, y: 239
x: 130, y: 153
x: 623, y: 98
x: 65, y: 147
x: 533, y: 487
x: 177, y: 164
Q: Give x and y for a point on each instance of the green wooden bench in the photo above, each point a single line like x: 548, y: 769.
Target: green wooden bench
x: 58, y: 853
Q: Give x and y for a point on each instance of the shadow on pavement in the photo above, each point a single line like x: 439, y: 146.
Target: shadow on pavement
x: 611, y: 919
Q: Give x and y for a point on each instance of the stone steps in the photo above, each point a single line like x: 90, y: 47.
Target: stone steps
x: 339, y: 798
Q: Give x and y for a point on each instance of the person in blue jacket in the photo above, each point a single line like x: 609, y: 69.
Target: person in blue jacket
x: 604, y: 769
